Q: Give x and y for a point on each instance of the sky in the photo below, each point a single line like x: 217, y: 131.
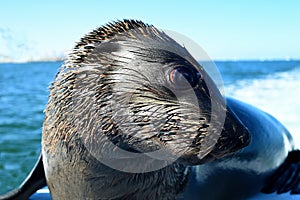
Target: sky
x: 226, y: 30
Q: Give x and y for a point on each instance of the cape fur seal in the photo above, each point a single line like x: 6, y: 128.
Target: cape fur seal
x: 131, y: 115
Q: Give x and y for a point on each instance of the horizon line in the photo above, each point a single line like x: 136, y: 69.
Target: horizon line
x: 214, y: 60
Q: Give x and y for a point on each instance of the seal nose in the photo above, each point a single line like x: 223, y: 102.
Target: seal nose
x: 234, y: 137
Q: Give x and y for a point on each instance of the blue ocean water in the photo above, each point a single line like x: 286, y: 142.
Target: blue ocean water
x: 23, y: 96
x: 273, y: 86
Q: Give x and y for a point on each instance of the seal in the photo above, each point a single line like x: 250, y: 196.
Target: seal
x: 132, y: 115
x: 130, y: 84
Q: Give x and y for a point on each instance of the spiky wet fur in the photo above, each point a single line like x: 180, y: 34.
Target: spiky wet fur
x: 111, y: 86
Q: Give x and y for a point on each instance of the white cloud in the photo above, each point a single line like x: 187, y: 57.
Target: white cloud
x: 16, y: 47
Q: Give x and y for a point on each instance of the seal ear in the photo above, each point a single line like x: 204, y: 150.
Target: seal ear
x: 286, y: 177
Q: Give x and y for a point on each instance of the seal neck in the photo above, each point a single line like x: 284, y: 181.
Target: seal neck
x: 166, y: 183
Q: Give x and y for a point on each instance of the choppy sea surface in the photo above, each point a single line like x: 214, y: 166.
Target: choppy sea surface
x: 273, y: 86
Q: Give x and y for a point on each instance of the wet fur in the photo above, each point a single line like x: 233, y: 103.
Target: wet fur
x: 116, y: 69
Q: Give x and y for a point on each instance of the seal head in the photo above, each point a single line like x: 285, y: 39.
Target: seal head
x: 144, y: 91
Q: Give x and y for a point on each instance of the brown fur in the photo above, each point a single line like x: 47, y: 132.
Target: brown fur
x: 112, y: 87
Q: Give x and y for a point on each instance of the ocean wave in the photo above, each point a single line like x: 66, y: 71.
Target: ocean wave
x: 277, y: 94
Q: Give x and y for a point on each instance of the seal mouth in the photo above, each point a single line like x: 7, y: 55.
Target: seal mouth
x: 233, y: 138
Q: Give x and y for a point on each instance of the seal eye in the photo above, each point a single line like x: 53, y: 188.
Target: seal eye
x: 184, y: 78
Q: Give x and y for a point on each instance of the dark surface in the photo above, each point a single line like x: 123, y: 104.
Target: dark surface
x: 287, y: 177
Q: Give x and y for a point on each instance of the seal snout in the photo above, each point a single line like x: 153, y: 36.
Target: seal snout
x: 234, y: 136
